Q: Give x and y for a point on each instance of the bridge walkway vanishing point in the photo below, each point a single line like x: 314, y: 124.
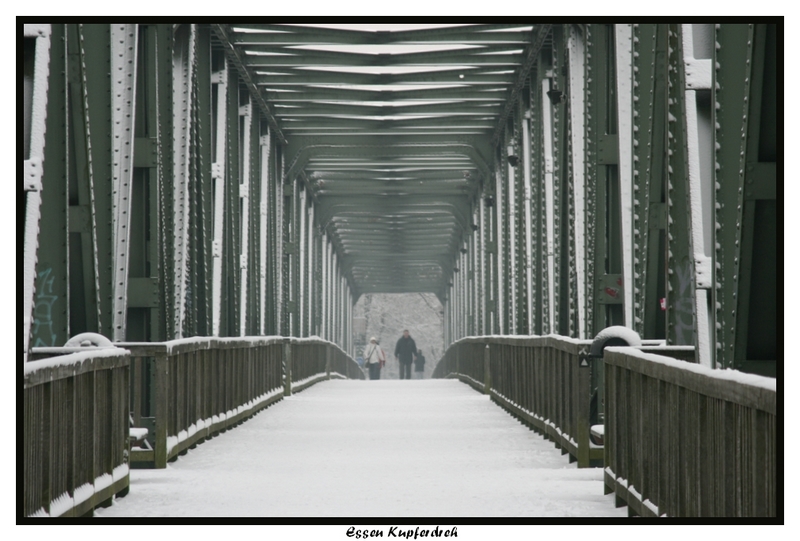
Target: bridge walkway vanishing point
x: 387, y: 448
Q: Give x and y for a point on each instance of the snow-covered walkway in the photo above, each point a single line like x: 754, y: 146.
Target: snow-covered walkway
x: 430, y: 448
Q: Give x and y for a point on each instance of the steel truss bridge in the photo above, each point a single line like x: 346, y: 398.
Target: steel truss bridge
x: 204, y: 204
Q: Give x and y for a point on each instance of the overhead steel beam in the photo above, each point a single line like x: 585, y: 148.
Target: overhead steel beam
x: 306, y: 36
x: 235, y: 56
x: 530, y: 56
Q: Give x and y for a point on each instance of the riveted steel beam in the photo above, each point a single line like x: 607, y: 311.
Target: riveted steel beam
x: 532, y: 50
x: 223, y: 34
x: 45, y: 292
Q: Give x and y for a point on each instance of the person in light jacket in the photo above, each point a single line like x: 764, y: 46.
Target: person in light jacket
x: 373, y: 356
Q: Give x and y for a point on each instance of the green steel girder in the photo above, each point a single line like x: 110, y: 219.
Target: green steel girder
x: 303, y: 149
x: 222, y: 33
x: 561, y: 224
x: 394, y: 177
x: 574, y: 96
x: 538, y: 231
x: 455, y: 93
x: 649, y: 172
x: 51, y: 318
x: 475, y: 76
x: 745, y: 256
x: 350, y: 125
x: 603, y: 213
x: 681, y: 311
x: 330, y: 108
x: 495, y: 55
x: 289, y: 35
x: 203, y: 194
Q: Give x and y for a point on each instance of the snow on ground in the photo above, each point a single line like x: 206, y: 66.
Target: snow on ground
x: 387, y: 448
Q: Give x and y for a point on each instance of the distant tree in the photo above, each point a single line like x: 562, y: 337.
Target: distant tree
x: 386, y: 315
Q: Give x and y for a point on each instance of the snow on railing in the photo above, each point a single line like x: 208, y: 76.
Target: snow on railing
x: 188, y: 389
x: 683, y: 439
x: 75, y: 445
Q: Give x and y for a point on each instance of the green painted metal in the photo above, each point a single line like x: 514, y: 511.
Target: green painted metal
x: 538, y: 230
x: 746, y: 251
x: 50, y: 326
x: 348, y: 170
x: 681, y: 312
x: 649, y: 220
x: 603, y: 222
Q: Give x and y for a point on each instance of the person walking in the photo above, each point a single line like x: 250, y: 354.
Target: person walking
x: 404, y: 352
x: 373, y: 355
x: 419, y: 365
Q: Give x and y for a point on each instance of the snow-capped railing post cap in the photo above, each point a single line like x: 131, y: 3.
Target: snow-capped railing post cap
x: 616, y: 335
x: 89, y: 339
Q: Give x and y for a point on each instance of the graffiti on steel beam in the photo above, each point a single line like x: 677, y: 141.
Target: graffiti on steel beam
x: 43, y: 310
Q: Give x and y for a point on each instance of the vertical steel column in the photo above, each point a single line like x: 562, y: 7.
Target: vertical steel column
x: 200, y: 189
x: 699, y: 132
x: 592, y: 132
x: 521, y: 231
x: 501, y: 306
x: 527, y: 223
x: 264, y: 217
x: 604, y: 237
x: 123, y: 83
x: 649, y: 117
x: 298, y: 214
x: 490, y: 250
x: 537, y: 205
x: 302, y: 257
x: 623, y: 62
x: 313, y: 274
x: 482, y: 263
x: 232, y: 285
x: 95, y: 42
x: 326, y: 258
x: 183, y: 54
x: 577, y: 112
x: 745, y: 193
x: 548, y: 231
x: 510, y: 229
x: 146, y: 317
x: 279, y: 246
x: 681, y: 309
x: 244, y: 197
x: 335, y: 300
x: 560, y: 221
x: 219, y: 84
x: 288, y: 256
x: 36, y: 71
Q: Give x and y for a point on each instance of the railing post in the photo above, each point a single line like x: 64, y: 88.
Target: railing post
x: 584, y: 397
x: 487, y: 374
x: 328, y: 353
x: 287, y: 368
x: 161, y: 413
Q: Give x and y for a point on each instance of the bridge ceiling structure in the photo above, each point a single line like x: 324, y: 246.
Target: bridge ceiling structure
x: 391, y: 128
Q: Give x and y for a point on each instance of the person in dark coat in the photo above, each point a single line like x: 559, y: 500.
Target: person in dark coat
x: 419, y: 365
x: 405, y: 351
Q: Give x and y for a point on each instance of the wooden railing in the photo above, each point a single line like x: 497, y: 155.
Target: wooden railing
x: 75, y: 425
x: 544, y: 381
x: 539, y: 380
x: 185, y: 391
x: 687, y: 441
